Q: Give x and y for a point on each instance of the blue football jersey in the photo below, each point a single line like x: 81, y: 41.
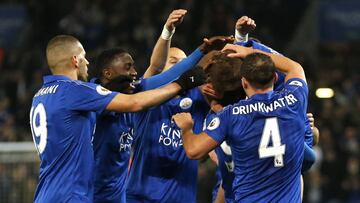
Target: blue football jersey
x: 160, y: 170
x: 112, y: 145
x: 226, y: 167
x: 266, y: 136
x: 217, y: 184
x: 62, y: 130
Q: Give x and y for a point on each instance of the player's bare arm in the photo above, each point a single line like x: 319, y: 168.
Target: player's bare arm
x: 162, y: 46
x: 196, y: 145
x: 243, y: 27
x: 220, y: 198
x: 213, y: 157
x: 143, y: 100
x: 291, y: 68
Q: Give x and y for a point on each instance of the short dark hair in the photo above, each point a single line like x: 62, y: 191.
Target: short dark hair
x: 259, y: 70
x: 104, y: 60
x: 224, y: 72
x: 224, y: 75
x: 60, y: 44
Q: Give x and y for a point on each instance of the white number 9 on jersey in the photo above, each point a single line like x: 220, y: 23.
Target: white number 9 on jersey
x: 39, y: 129
x: 277, y: 150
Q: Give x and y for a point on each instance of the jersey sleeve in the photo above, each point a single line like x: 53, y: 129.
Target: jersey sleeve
x: 216, y: 126
x: 308, y: 133
x: 309, y: 158
x: 172, y: 74
x: 88, y: 97
x: 299, y: 89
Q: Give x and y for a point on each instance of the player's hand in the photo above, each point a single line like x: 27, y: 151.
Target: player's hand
x: 315, y: 130
x: 316, y: 135
x: 175, y: 18
x: 240, y: 51
x: 209, y: 91
x: 245, y: 25
x: 311, y: 120
x: 121, y: 83
x: 215, y: 43
x: 191, y: 78
x: 184, y: 121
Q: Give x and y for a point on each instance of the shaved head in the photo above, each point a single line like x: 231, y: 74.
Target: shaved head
x: 175, y: 55
x: 60, y: 49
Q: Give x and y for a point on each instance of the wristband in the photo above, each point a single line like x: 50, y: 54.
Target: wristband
x: 239, y: 37
x: 166, y: 34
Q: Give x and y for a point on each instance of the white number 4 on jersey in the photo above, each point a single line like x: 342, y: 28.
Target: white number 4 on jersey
x: 277, y: 150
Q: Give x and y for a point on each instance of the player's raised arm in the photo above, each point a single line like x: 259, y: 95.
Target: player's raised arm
x: 243, y: 27
x: 162, y: 46
x: 147, y: 99
x: 291, y: 68
x: 196, y: 146
x: 208, y: 45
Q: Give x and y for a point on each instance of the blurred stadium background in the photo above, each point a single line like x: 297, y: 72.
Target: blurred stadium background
x: 324, y: 36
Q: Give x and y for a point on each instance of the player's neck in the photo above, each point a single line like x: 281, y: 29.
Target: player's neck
x: 252, y: 91
x: 70, y: 74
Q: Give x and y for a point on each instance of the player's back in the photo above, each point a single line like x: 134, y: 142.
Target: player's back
x: 266, y: 135
x: 61, y: 126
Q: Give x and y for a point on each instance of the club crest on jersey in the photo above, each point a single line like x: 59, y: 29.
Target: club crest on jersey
x: 102, y: 90
x: 126, y: 140
x: 215, y: 122
x: 185, y: 103
x: 297, y: 83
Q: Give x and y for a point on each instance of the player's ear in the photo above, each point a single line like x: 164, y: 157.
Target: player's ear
x: 107, y: 73
x: 244, y: 83
x: 276, y: 77
x: 74, y: 61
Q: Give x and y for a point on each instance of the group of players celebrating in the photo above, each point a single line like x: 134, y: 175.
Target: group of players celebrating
x: 122, y: 139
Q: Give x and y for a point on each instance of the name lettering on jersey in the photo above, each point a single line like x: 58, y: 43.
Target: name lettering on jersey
x: 125, y: 141
x: 261, y: 107
x: 47, y: 90
x: 170, y: 136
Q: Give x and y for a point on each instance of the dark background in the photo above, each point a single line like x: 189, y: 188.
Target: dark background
x: 324, y: 36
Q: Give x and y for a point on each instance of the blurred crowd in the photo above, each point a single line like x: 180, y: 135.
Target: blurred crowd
x: 135, y: 26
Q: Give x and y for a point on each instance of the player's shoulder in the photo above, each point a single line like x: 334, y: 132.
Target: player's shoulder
x: 294, y: 84
x: 79, y: 86
x: 83, y: 84
x: 227, y: 110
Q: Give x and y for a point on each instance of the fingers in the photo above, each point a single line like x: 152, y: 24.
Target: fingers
x: 179, y: 11
x: 182, y: 120
x: 241, y: 52
x: 208, y: 90
x: 175, y: 18
x: 245, y: 24
x: 311, y: 119
x: 230, y: 47
x: 235, y: 55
